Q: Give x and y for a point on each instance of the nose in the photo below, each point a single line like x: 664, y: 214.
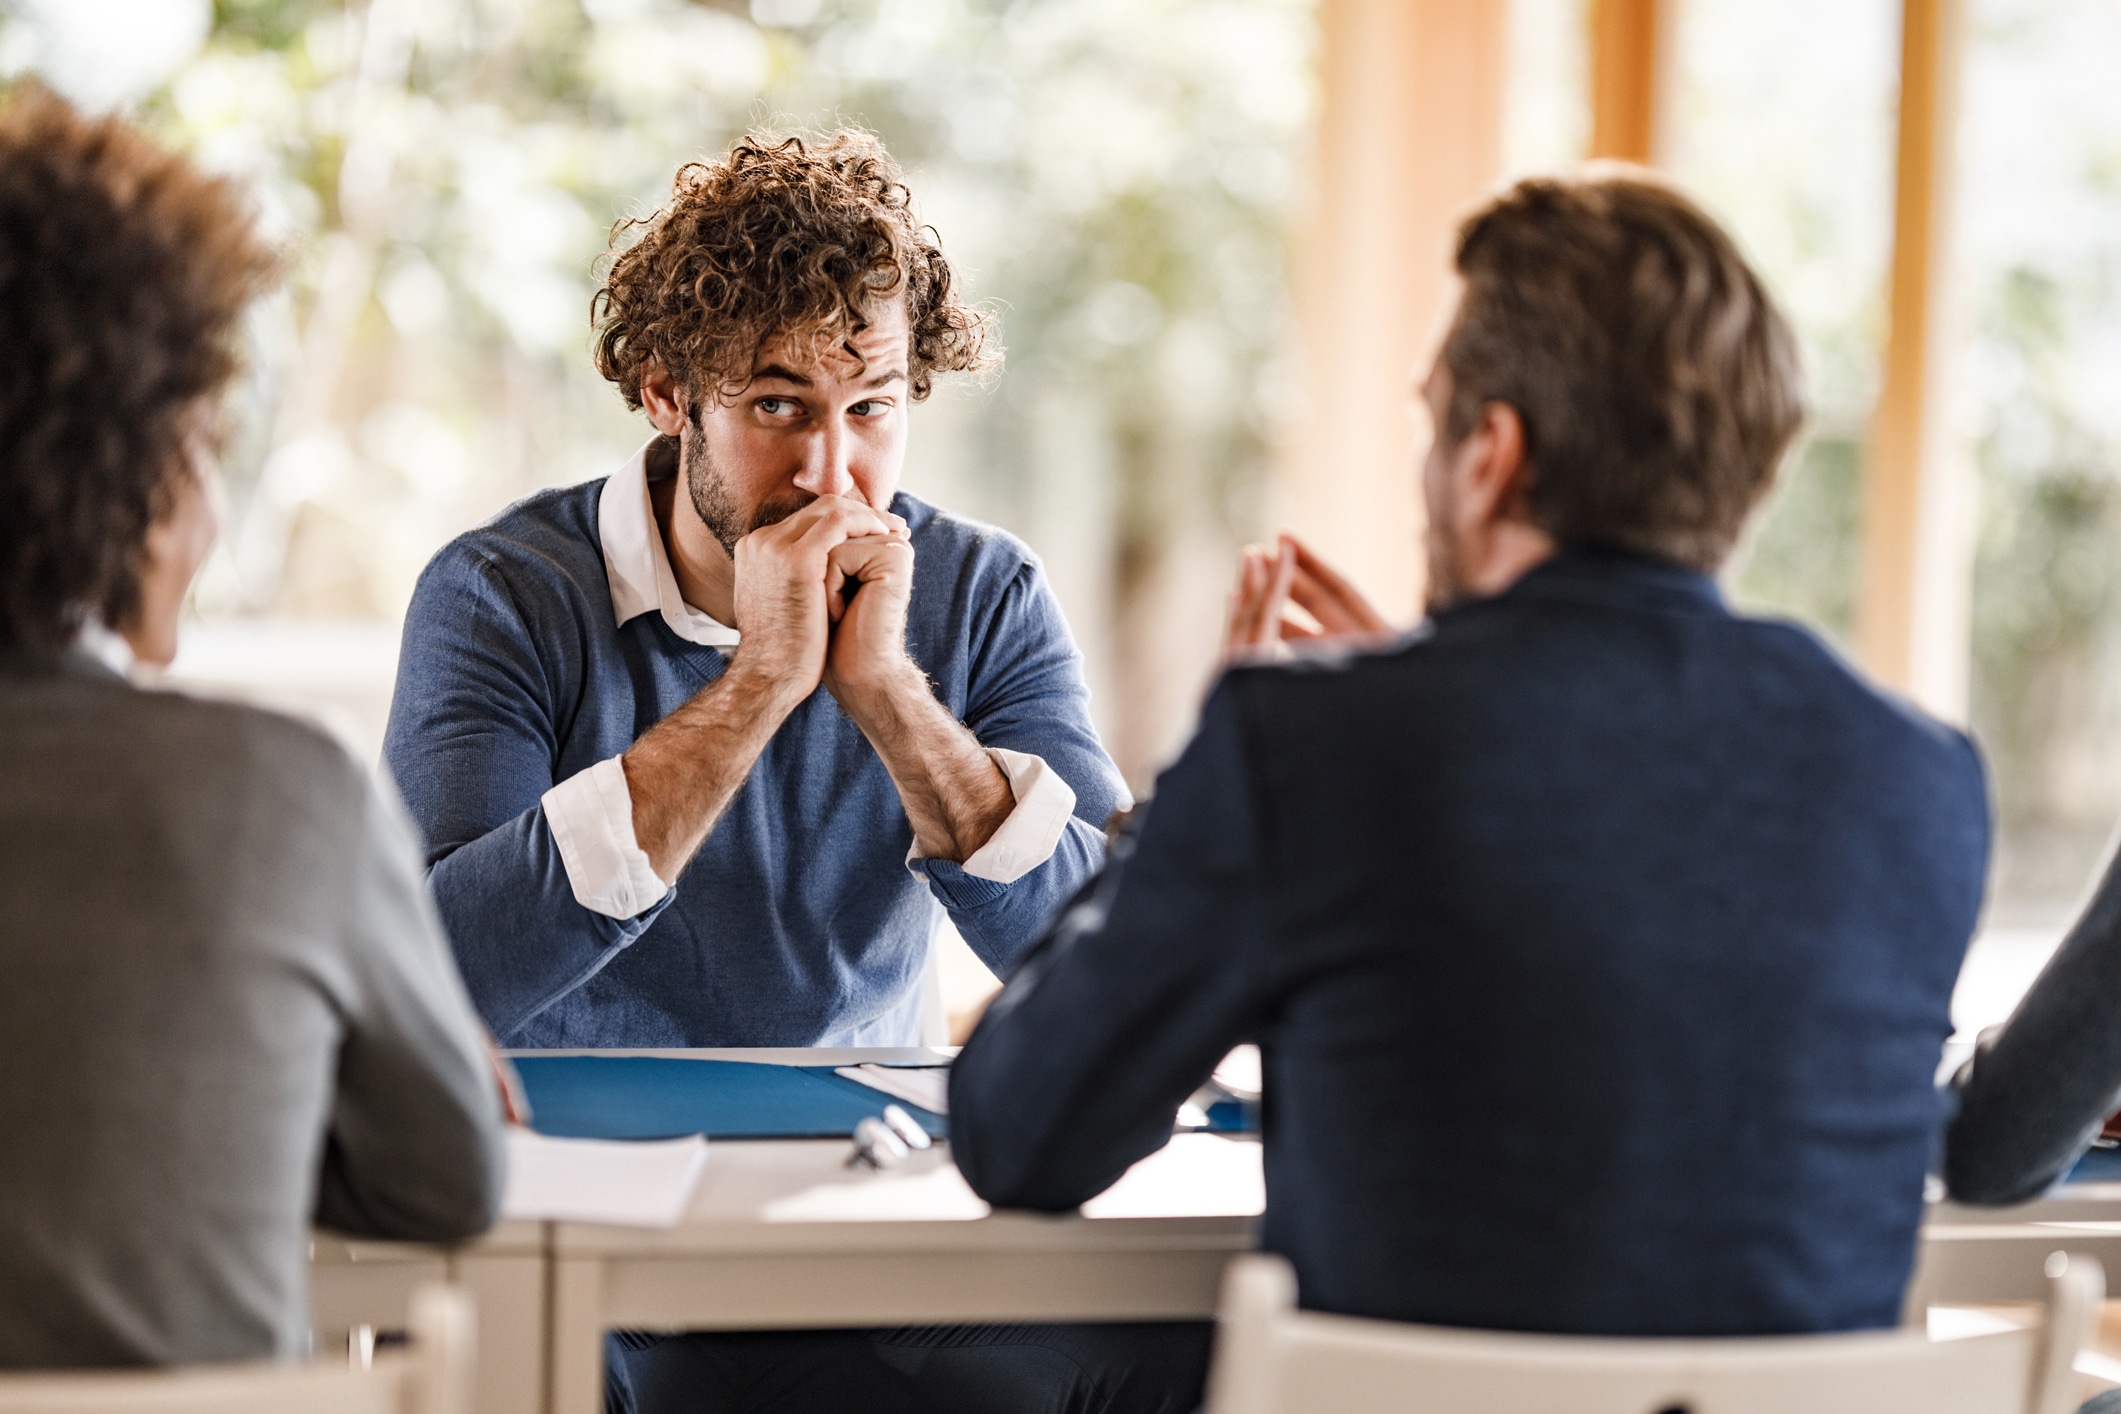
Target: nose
x: 826, y: 469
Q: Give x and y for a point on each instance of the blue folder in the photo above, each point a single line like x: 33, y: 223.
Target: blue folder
x: 2097, y: 1166
x: 663, y: 1097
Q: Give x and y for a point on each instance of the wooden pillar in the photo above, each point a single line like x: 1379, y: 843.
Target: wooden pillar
x: 1631, y: 48
x: 1409, y: 136
x: 1913, y: 610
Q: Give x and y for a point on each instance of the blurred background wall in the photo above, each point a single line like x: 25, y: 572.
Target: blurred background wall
x: 1185, y: 212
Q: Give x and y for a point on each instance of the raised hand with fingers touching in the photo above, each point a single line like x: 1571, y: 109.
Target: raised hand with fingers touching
x: 1269, y: 581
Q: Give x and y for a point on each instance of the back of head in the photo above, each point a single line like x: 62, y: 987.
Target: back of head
x: 1657, y: 384
x: 123, y: 274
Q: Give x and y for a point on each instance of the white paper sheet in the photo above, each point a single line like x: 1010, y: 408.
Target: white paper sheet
x: 623, y: 1183
x: 1195, y: 1175
x: 926, y: 1086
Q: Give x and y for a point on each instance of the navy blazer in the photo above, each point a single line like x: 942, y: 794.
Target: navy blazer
x: 1600, y: 944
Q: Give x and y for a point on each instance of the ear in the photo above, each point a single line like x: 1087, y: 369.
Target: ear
x: 178, y: 542
x: 1494, y: 471
x: 659, y: 399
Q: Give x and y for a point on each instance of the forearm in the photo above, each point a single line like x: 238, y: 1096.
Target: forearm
x: 416, y: 1148
x: 1000, y: 922
x: 2038, y: 1096
x: 954, y: 794
x: 521, y: 939
x: 683, y: 772
x: 1078, y: 1069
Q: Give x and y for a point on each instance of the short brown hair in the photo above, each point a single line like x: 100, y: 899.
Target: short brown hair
x: 124, y: 272
x: 783, y: 237
x: 1658, y: 385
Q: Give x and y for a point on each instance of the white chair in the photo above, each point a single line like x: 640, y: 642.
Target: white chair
x: 1271, y: 1358
x: 432, y: 1376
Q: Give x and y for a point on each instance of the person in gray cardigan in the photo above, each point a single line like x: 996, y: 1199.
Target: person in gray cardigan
x: 2041, y: 1085
x: 229, y: 1009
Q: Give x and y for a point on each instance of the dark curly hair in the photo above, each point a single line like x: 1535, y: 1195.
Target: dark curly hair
x: 123, y: 274
x: 784, y: 237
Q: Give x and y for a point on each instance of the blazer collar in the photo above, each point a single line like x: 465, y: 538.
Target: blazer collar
x: 77, y: 662
x: 1610, y: 568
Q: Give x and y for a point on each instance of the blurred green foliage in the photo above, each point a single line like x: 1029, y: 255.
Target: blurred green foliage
x: 1116, y: 178
x: 1112, y: 177
x: 2039, y: 299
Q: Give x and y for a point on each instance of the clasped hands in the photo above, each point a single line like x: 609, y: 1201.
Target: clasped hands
x: 821, y: 599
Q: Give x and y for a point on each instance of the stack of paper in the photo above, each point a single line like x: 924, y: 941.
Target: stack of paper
x: 623, y: 1183
x: 925, y: 1085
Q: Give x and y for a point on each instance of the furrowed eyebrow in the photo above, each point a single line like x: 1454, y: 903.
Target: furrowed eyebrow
x: 895, y: 375
x: 774, y: 370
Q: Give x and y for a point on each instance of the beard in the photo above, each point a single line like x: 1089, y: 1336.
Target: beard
x: 727, y: 518
x: 1447, y: 581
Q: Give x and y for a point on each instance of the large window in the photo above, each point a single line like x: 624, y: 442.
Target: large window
x: 1114, y: 178
x: 1120, y: 179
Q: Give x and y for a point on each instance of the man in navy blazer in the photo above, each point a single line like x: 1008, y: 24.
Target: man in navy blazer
x: 1599, y: 941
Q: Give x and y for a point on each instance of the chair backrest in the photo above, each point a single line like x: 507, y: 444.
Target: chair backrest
x: 432, y: 1376
x: 1271, y: 1358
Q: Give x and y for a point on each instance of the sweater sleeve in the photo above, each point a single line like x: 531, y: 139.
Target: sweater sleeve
x: 2035, y: 1100
x: 415, y: 1150
x: 1027, y: 695
x: 1146, y: 981
x: 474, y: 736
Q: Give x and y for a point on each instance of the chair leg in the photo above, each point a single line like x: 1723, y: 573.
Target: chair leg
x: 1257, y: 1289
x: 2076, y: 1287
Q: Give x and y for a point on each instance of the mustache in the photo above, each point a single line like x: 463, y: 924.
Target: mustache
x: 779, y: 508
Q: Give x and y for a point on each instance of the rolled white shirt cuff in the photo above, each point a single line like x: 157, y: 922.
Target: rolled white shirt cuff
x: 591, y: 817
x: 1027, y: 839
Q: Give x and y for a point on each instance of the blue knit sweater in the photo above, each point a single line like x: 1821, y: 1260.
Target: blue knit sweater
x: 799, y: 922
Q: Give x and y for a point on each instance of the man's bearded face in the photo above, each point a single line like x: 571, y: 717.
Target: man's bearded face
x: 806, y: 424
x: 1439, y: 494
x: 1446, y: 569
x: 718, y: 505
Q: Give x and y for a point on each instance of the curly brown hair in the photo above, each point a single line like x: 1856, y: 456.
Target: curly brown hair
x: 783, y: 237
x: 123, y: 274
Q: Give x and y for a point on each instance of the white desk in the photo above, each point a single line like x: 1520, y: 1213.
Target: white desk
x: 1984, y: 1256
x: 782, y: 1234
x: 358, y: 1283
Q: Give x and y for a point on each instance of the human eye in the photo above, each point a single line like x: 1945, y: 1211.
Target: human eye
x: 871, y: 407
x: 775, y: 406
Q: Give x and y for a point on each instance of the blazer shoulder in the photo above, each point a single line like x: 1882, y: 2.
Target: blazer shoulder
x: 1311, y: 668
x: 1840, y: 682
x: 217, y: 742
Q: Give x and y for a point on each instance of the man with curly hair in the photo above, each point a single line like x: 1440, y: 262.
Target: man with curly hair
x: 229, y: 1009
x: 646, y: 824
x: 701, y: 748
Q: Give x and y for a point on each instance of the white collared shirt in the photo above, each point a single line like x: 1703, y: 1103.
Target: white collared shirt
x: 591, y: 812
x: 106, y: 647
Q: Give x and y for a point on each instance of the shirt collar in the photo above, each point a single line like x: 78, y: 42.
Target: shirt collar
x: 638, y: 566
x: 102, y: 645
